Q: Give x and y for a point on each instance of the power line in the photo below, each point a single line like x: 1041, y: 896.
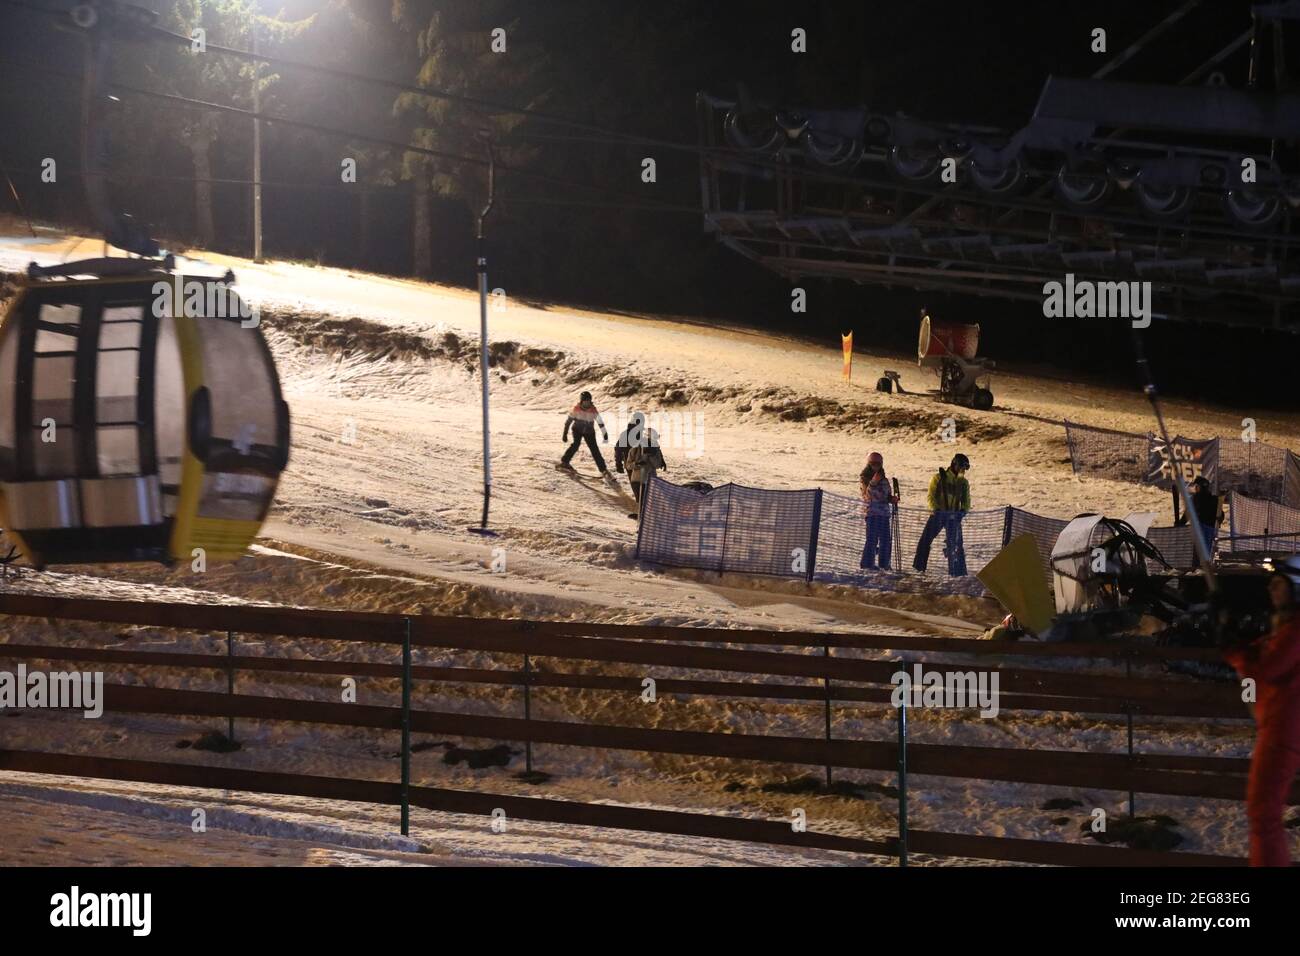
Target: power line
x: 472, y: 102
x: 190, y: 102
x: 269, y: 118
x: 647, y: 206
x: 771, y: 165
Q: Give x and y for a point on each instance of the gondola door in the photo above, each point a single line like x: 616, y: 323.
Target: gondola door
x: 237, y: 440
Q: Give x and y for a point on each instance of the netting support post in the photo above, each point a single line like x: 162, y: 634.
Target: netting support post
x: 814, y: 534
x: 406, y: 728
x: 726, y: 530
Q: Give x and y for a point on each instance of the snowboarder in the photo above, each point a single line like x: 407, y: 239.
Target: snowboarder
x: 583, y: 419
x: 949, y: 500
x: 638, y: 453
x: 1274, y: 663
x: 877, y: 495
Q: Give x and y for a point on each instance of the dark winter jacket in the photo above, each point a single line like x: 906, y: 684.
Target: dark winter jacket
x: 640, y: 435
x: 1206, y: 505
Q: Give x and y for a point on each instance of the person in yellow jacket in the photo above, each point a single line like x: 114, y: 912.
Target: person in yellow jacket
x: 949, y: 500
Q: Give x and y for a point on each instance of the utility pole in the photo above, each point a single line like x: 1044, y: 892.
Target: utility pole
x: 257, y: 153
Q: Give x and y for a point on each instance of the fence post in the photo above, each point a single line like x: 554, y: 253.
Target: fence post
x: 230, y: 681
x: 1128, y: 710
x: 406, y: 729
x: 528, y: 714
x: 902, y: 783
x: 826, y: 681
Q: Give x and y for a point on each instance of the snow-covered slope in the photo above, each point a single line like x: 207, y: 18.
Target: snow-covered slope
x: 385, y: 479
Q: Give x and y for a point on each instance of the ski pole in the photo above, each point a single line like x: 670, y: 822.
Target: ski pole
x: 1198, y: 540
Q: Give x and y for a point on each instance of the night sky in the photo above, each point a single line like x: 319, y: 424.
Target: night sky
x: 953, y: 61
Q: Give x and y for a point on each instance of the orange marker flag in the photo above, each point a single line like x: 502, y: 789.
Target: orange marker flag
x: 847, y: 342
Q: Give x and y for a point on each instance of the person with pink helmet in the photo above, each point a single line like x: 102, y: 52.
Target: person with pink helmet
x: 880, y: 500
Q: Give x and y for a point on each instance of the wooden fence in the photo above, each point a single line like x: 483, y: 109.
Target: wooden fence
x: 654, y: 647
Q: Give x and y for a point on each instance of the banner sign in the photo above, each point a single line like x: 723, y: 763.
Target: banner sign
x: 731, y: 528
x: 1192, y: 458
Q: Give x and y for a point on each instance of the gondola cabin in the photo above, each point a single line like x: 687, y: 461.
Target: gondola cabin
x: 140, y: 415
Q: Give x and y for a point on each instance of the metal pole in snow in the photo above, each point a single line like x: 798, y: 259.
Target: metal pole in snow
x: 528, y: 713
x: 257, y: 155
x: 826, y: 682
x: 230, y: 680
x: 902, y: 783
x: 406, y: 730
x: 1132, y: 797
x: 483, y: 341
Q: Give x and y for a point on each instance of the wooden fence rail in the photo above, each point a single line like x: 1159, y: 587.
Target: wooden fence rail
x: 655, y: 647
x: 1193, y: 702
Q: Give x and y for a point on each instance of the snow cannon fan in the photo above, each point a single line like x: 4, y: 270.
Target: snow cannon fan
x: 141, y: 416
x: 950, y: 350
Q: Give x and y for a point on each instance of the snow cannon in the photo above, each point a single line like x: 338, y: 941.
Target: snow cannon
x: 1100, y: 578
x: 950, y: 349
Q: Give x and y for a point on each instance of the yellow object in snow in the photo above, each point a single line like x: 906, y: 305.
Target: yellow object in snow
x: 1015, y: 578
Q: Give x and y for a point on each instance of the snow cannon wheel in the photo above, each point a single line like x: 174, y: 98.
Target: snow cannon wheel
x: 981, y: 398
x: 885, y: 384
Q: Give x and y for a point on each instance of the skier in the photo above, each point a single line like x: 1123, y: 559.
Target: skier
x: 949, y: 500
x: 638, y: 453
x: 1273, y: 662
x: 876, y: 493
x: 584, y: 418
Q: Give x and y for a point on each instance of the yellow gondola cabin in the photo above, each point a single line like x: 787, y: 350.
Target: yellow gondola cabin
x: 140, y: 415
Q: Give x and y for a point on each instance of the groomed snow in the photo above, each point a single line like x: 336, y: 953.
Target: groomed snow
x: 372, y: 514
